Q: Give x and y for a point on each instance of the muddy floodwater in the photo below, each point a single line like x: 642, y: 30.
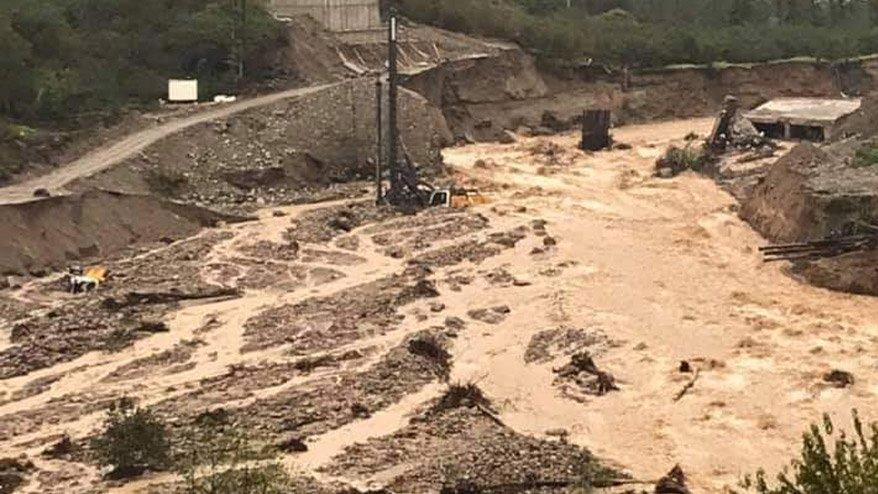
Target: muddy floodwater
x: 576, y: 252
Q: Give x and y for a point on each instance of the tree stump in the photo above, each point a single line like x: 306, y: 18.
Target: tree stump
x: 595, y: 130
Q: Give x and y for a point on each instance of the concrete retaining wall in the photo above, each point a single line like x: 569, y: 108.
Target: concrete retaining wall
x: 336, y: 15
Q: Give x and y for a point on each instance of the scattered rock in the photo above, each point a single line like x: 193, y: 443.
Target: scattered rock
x: 293, y: 445
x: 153, y: 327
x: 839, y: 378
x: 437, y: 307
x: 506, y: 137
x: 455, y: 323
x: 494, y: 315
x: 278, y: 213
x: 524, y: 131
x: 685, y: 367
x: 549, y: 241
x: 42, y: 192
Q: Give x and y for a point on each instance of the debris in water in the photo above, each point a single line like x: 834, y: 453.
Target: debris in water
x: 673, y: 483
x: 584, y: 373
x: 839, y: 378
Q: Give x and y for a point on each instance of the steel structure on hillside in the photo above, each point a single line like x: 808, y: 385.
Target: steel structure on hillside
x: 335, y: 15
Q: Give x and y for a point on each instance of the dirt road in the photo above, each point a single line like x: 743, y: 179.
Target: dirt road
x: 102, y: 158
x: 652, y: 272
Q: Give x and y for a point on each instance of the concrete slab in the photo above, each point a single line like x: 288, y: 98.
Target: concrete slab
x: 817, y: 112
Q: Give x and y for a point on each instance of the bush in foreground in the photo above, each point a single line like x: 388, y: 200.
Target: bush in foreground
x: 134, y: 440
x: 219, y: 457
x: 849, y: 467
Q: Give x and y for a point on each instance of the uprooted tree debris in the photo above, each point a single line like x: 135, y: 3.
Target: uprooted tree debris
x: 587, y: 378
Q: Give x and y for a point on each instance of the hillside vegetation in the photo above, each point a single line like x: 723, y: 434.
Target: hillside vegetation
x: 650, y: 33
x: 62, y: 58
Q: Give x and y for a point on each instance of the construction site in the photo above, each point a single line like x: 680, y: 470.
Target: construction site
x: 426, y: 265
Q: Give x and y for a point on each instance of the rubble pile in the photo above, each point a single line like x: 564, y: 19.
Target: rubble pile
x: 321, y: 226
x: 458, y: 445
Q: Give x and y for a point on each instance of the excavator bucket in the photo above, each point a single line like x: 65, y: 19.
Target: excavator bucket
x: 465, y: 200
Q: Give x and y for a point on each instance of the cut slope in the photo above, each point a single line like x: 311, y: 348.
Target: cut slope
x: 52, y: 232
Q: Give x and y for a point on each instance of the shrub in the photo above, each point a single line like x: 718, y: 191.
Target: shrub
x: 867, y: 156
x: 850, y: 467
x: 219, y: 457
x: 681, y: 159
x: 134, y: 440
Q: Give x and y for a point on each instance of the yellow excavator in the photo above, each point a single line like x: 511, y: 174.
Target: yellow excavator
x: 456, y: 198
x: 85, y: 280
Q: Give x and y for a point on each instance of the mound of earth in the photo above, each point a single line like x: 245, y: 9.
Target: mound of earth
x: 809, y: 194
x: 285, y: 152
x: 50, y: 233
x: 812, y: 193
x: 853, y: 273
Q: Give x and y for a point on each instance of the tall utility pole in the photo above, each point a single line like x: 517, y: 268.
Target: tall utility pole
x: 243, y: 48
x: 239, y: 36
x: 392, y: 94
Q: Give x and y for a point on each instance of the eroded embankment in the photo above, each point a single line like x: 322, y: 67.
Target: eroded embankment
x: 816, y: 192
x: 483, y: 96
x: 48, y: 233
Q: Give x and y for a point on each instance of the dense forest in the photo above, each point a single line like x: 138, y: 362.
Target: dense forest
x: 649, y: 33
x: 63, y: 58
